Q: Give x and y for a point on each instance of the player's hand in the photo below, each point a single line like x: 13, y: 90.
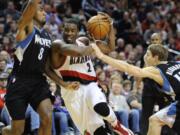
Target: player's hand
x: 106, y: 17
x: 72, y: 85
x: 97, y: 51
x: 91, y: 37
x: 110, y: 20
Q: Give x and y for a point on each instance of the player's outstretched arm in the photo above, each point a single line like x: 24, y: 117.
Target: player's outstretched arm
x: 60, y: 47
x: 149, y: 72
x: 27, y: 17
x: 52, y: 75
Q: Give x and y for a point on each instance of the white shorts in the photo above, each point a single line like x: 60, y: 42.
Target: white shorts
x: 167, y: 115
x: 80, y: 105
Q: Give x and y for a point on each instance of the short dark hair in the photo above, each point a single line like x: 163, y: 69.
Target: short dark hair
x: 159, y: 50
x: 73, y: 21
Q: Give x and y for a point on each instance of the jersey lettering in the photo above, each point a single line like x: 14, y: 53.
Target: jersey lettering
x: 79, y: 60
x: 177, y: 76
x: 172, y: 69
x: 42, y: 41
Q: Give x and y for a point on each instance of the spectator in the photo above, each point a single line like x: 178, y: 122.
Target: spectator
x: 122, y: 109
x: 126, y: 88
x: 3, y: 65
x: 3, y: 83
x: 120, y: 45
x: 135, y: 97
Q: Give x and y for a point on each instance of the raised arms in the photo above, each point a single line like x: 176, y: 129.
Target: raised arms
x: 26, y: 20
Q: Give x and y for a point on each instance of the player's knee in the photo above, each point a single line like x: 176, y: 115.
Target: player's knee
x: 153, y: 120
x: 15, y: 130
x: 102, y: 109
x: 100, y: 131
x: 6, y: 131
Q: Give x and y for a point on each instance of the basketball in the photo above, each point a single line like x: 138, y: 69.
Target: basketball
x: 98, y: 27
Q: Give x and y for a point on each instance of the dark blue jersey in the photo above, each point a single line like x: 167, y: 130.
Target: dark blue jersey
x: 171, y: 77
x: 31, y: 53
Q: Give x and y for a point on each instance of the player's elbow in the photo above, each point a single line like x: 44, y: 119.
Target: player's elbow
x: 57, y: 44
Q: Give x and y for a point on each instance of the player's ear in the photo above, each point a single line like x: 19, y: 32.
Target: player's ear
x: 156, y: 57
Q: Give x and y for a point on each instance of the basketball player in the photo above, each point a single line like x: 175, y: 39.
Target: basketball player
x: 71, y: 60
x: 151, y: 95
x: 27, y: 83
x: 166, y: 74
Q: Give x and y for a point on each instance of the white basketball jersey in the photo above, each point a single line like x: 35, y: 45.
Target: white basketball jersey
x: 78, y: 69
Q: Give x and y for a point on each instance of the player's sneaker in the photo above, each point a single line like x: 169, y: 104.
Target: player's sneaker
x: 119, y: 128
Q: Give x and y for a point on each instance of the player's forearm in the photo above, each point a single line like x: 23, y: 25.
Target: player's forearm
x: 28, y: 13
x: 87, y: 51
x: 73, y: 50
x: 110, y: 45
x: 111, y: 42
x: 53, y: 76
x: 122, y: 66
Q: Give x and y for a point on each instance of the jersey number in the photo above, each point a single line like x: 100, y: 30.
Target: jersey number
x: 177, y: 76
x: 41, y: 53
x: 89, y: 67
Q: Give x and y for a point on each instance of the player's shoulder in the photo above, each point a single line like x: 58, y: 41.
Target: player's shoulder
x: 153, y: 73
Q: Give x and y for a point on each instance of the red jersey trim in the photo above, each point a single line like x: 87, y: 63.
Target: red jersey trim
x: 77, y: 75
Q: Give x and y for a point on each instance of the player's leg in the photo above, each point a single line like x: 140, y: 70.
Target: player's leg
x: 176, y: 123
x: 155, y: 126
x: 165, y: 116
x: 100, y: 131
x: 104, y: 110
x: 16, y: 128
x: 97, y: 101
x: 17, y: 111
x: 41, y: 102
x: 16, y: 104
x: 45, y: 112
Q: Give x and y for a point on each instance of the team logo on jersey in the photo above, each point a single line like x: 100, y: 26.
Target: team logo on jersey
x: 79, y: 60
x: 42, y: 41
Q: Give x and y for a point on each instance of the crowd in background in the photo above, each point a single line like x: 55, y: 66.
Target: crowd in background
x: 134, y: 22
